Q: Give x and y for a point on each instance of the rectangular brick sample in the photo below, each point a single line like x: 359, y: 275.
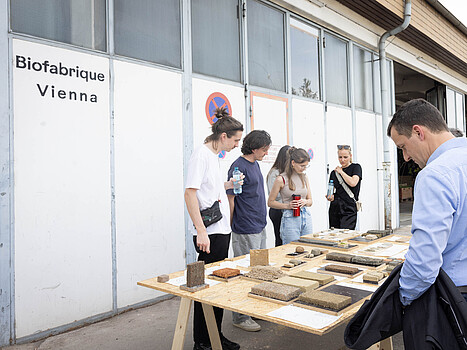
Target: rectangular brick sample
x: 335, y: 256
x: 367, y: 261
x: 348, y: 270
x: 226, y: 272
x: 325, y: 299
x: 276, y: 291
x: 321, y: 278
x: 195, y: 274
x: 301, y: 283
x: 259, y: 257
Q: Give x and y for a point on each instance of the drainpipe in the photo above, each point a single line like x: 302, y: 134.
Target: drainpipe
x: 385, y: 110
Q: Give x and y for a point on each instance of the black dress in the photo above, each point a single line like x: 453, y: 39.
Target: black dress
x: 342, y: 210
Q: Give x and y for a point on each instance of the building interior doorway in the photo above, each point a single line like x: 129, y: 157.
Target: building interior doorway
x: 409, y: 85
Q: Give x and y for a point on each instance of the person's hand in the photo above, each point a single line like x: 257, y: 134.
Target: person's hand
x: 339, y: 170
x: 301, y: 202
x: 232, y: 181
x: 330, y: 198
x: 295, y: 203
x: 203, y: 242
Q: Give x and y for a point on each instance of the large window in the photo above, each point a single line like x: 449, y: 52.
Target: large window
x: 455, y: 110
x: 148, y: 30
x: 335, y: 59
x: 266, y: 54
x: 363, y: 79
x: 304, y: 43
x: 81, y: 23
x: 216, y: 38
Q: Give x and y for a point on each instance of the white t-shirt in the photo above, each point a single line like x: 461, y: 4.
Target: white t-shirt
x: 204, y: 175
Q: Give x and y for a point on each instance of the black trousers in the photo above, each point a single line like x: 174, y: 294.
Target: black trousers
x: 276, y: 215
x: 219, y: 251
x: 342, y: 214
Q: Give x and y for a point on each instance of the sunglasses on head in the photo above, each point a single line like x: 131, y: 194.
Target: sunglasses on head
x: 339, y: 147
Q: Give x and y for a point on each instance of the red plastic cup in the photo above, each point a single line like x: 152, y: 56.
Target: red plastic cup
x: 296, y: 211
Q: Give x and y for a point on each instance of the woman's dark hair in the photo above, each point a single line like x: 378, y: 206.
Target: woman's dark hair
x: 281, y: 159
x: 298, y: 155
x: 255, y: 139
x: 417, y: 112
x: 225, y: 123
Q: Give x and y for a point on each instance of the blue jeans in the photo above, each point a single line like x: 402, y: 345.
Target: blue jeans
x: 292, y: 227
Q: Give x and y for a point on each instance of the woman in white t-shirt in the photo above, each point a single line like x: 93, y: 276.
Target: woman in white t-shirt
x: 204, y: 186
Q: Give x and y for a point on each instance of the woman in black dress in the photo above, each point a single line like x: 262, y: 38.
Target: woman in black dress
x: 343, y: 210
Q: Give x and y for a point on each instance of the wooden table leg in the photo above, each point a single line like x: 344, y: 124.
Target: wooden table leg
x: 182, y: 321
x: 212, y: 327
x: 385, y: 344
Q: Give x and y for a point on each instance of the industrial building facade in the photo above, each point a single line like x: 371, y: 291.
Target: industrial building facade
x: 103, y: 101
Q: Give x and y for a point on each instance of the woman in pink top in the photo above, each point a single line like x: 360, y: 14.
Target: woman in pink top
x: 293, y: 181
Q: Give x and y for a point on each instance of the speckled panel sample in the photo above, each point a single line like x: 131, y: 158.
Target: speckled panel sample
x: 321, y: 278
x: 264, y: 273
x: 276, y: 291
x: 259, y: 257
x: 195, y: 274
x: 342, y: 269
x: 226, y: 272
x: 366, y: 260
x: 324, y: 299
x: 303, y: 284
x: 339, y: 257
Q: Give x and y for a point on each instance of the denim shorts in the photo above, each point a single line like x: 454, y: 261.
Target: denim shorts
x: 292, y: 227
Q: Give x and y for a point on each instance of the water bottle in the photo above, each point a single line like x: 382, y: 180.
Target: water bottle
x: 296, y: 211
x: 237, y: 178
x: 330, y: 188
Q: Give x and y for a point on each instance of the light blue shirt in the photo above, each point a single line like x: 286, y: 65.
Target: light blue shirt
x: 439, y: 222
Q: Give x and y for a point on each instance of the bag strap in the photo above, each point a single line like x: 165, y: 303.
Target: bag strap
x: 344, y: 185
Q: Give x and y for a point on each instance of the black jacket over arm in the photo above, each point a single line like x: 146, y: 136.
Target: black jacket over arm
x: 436, y: 320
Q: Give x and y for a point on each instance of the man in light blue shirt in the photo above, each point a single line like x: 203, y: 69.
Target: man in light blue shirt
x: 439, y: 217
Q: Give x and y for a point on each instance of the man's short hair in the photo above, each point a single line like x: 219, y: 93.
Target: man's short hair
x: 417, y: 112
x: 256, y: 139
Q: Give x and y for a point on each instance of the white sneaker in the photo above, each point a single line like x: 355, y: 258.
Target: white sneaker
x: 248, y: 325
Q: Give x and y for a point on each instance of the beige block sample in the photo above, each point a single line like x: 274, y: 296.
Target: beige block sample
x: 325, y: 299
x: 321, y: 278
x: 373, y: 276
x: 303, y: 284
x: 276, y: 291
x: 259, y: 257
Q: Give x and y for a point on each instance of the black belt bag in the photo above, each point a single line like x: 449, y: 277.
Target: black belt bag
x: 212, y: 214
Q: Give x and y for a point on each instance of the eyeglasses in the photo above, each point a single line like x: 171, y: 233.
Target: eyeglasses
x: 304, y: 166
x: 339, y: 147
